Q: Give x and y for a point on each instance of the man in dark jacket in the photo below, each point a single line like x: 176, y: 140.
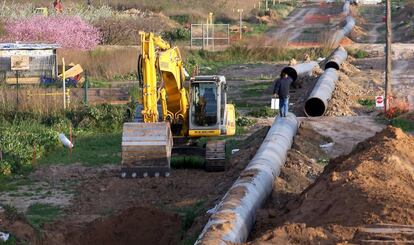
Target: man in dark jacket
x: 281, y: 89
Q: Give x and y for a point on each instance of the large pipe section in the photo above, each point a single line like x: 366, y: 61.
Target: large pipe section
x: 346, y: 7
x: 299, y: 70
x: 337, y: 58
x: 341, y: 34
x: 317, y: 103
x: 234, y: 216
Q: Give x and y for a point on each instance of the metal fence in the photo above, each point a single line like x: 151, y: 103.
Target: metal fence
x: 210, y: 36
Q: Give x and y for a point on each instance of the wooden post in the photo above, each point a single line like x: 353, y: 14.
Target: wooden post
x: 388, y: 55
x: 64, y: 83
x: 241, y: 21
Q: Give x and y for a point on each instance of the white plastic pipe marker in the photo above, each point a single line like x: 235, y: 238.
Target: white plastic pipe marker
x: 65, y: 141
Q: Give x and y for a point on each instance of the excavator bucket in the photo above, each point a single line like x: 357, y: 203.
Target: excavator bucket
x: 146, y: 150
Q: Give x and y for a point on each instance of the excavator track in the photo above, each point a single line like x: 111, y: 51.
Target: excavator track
x: 216, y: 156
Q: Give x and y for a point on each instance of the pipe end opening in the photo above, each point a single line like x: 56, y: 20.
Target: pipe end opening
x: 314, y: 107
x: 332, y: 64
x: 291, y: 72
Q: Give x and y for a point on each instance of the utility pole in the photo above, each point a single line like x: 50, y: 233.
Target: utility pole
x: 388, y: 57
x: 240, y: 11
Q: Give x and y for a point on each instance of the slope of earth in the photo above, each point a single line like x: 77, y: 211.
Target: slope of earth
x: 363, y: 197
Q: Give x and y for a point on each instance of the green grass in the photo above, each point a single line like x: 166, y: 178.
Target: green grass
x: 38, y: 214
x: 405, y: 124
x: 358, y: 53
x: 89, y: 150
x: 189, y: 214
x: 264, y: 111
x: 212, y: 62
x: 258, y: 29
x: 254, y: 90
x: 11, y: 241
x: 369, y: 103
x: 12, y: 183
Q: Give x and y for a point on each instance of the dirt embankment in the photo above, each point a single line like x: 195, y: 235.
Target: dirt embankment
x: 364, y: 196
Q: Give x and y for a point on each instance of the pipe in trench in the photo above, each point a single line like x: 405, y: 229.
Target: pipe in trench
x: 234, y: 216
x: 337, y: 58
x: 342, y: 33
x: 300, y: 70
x: 317, y: 103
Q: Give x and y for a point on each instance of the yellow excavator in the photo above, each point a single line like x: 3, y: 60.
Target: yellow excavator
x: 172, y: 110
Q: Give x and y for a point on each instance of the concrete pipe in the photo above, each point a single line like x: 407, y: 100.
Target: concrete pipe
x: 234, y: 216
x: 317, y: 103
x: 342, y: 33
x: 346, y: 7
x: 350, y: 24
x: 337, y: 58
x: 300, y: 70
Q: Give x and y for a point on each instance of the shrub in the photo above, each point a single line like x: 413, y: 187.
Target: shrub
x: 264, y: 111
x: 18, y: 141
x: 244, y: 122
x: 69, y: 32
x: 177, y: 34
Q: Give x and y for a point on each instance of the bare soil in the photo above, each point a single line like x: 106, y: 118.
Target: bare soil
x: 364, y: 196
x: 106, y: 209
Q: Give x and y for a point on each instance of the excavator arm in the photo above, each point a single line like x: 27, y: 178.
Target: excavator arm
x: 163, y: 77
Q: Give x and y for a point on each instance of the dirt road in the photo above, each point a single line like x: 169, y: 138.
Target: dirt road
x: 307, y: 24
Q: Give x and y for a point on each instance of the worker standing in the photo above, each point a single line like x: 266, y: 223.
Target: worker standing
x: 57, y: 4
x: 281, y: 89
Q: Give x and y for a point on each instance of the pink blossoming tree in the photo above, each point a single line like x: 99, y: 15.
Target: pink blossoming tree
x: 67, y: 31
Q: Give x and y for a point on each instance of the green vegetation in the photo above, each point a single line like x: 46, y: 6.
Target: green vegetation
x: 405, y: 124
x: 12, y: 183
x: 11, y: 212
x: 89, y: 150
x: 28, y: 136
x: 263, y: 111
x: 284, y: 9
x: 244, y: 122
x: 212, y: 62
x: 189, y: 214
x: 257, y: 29
x: 38, y: 214
x: 369, y: 103
x: 358, y: 53
x: 255, y: 90
x: 177, y: 34
x: 11, y: 241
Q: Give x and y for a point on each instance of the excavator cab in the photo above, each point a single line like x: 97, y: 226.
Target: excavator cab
x: 209, y: 113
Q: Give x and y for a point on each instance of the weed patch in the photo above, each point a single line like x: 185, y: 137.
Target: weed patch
x: 405, y: 124
x: 264, y: 111
x: 89, y: 150
x: 38, y: 214
x: 189, y: 214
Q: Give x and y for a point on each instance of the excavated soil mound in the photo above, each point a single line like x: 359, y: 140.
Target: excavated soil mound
x: 374, y: 184
x: 344, y: 97
x: 138, y: 225
x: 357, y: 197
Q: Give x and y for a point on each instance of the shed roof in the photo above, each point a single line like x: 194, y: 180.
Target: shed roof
x: 27, y: 46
